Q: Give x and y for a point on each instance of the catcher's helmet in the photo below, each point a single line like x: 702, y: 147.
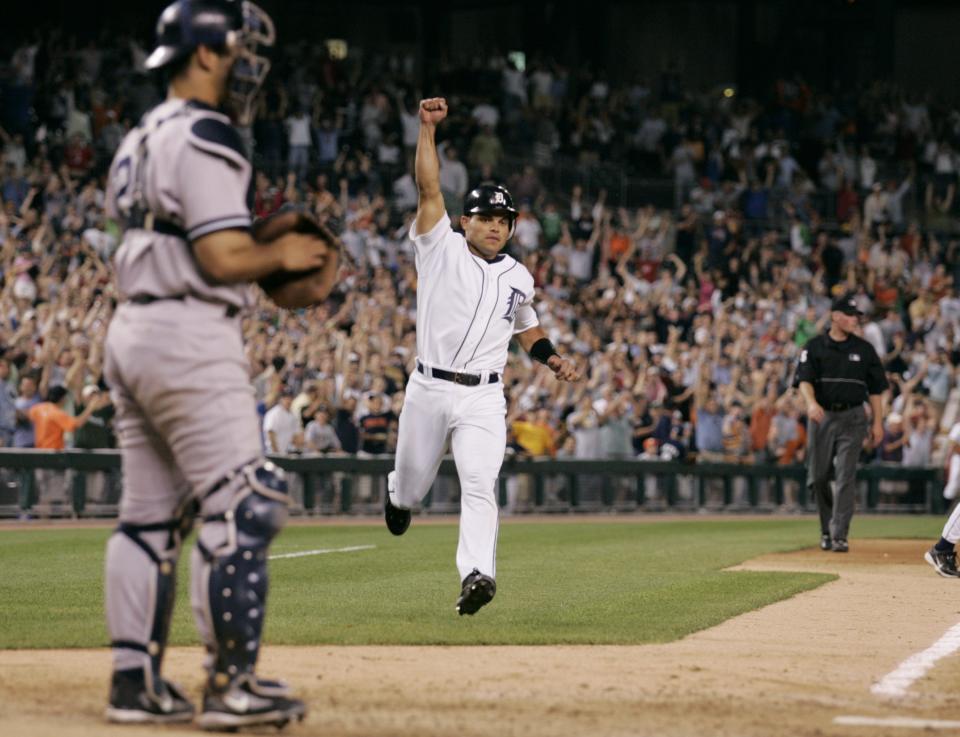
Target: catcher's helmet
x: 489, y: 199
x: 229, y: 24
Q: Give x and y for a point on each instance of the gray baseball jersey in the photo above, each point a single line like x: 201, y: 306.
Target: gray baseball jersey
x: 179, y: 175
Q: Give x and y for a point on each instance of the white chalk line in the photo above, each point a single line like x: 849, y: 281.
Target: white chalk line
x: 905, y: 722
x: 898, y: 682
x: 322, y: 551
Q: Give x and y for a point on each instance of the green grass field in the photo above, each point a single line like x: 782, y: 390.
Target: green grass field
x: 557, y: 583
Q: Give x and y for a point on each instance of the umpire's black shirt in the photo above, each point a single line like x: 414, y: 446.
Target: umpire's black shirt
x: 843, y: 373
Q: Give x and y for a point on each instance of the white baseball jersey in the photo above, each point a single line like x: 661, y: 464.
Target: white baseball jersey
x: 468, y: 308
x: 183, y: 166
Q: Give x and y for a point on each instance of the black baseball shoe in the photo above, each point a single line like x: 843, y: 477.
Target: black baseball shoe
x: 132, y: 703
x: 945, y: 564
x: 248, y: 702
x: 825, y: 542
x: 840, y: 546
x: 477, y: 590
x: 397, y: 519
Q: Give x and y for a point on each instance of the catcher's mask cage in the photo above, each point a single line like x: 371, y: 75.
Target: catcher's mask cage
x: 239, y: 27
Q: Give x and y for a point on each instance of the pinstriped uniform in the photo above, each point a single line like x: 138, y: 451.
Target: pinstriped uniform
x: 468, y: 309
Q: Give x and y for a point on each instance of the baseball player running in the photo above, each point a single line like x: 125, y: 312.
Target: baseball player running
x: 175, y: 363
x: 471, y: 300
x: 942, y: 556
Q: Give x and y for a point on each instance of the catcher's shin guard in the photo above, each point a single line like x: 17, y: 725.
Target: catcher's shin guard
x: 141, y: 581
x: 230, y: 561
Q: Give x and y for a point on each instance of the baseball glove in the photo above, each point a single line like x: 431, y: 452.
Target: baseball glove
x: 285, y: 287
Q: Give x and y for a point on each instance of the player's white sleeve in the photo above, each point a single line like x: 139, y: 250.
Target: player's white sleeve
x: 425, y: 242
x: 953, y: 478
x: 526, y: 317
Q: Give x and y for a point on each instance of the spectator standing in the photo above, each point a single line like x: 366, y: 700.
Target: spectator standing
x: 23, y: 435
x: 51, y: 423
x: 454, y: 180
x: 97, y: 433
x: 298, y: 143
x: 8, y: 407
x: 374, y: 425
x: 345, y: 427
x: 535, y: 435
x: 280, y: 425
x: 320, y: 436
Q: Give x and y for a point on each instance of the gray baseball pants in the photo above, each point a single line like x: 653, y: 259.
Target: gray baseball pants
x: 186, y: 416
x: 835, y: 444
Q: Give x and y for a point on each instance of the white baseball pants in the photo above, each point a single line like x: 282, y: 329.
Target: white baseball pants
x: 470, y: 420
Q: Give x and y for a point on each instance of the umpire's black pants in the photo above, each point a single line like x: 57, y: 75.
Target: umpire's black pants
x: 836, y: 440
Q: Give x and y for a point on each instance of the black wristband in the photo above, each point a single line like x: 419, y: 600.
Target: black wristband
x: 542, y: 350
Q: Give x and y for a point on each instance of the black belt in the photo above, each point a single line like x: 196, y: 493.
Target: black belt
x: 147, y: 299
x: 156, y: 225
x: 841, y: 406
x: 456, y: 377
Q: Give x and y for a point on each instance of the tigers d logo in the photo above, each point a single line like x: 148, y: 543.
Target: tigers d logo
x: 498, y: 199
x: 513, y: 303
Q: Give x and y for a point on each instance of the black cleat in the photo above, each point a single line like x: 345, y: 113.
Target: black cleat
x: 840, y: 546
x: 825, y: 542
x: 131, y: 702
x: 249, y: 702
x: 397, y: 519
x: 945, y: 564
x: 477, y: 590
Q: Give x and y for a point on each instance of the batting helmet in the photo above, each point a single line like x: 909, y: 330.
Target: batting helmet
x: 230, y: 24
x: 489, y: 199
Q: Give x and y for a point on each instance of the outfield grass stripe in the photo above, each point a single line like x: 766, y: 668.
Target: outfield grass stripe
x: 323, y: 551
x: 904, y: 722
x: 584, y: 583
x: 898, y: 682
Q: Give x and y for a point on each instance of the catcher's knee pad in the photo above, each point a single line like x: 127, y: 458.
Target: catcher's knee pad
x: 233, y: 587
x: 141, y: 582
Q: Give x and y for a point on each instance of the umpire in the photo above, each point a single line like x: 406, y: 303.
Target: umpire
x: 839, y: 371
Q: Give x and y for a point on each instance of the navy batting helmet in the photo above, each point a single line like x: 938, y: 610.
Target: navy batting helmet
x: 230, y: 24
x: 489, y: 199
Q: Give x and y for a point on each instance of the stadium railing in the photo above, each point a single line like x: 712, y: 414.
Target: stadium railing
x: 72, y: 483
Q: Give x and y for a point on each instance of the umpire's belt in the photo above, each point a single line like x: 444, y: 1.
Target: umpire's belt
x: 841, y: 406
x: 147, y: 299
x: 456, y: 377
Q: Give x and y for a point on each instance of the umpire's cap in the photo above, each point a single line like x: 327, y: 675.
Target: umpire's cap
x: 847, y: 304
x: 186, y: 24
x: 489, y: 199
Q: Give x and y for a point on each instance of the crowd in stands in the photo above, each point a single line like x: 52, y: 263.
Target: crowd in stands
x: 687, y: 317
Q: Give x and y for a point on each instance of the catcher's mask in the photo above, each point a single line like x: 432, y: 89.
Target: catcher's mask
x: 237, y: 25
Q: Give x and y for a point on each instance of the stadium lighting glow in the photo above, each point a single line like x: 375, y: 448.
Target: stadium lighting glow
x: 337, y: 48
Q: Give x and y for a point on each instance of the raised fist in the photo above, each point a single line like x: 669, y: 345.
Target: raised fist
x: 433, y: 110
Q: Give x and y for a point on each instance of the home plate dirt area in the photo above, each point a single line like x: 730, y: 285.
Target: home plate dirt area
x: 868, y: 654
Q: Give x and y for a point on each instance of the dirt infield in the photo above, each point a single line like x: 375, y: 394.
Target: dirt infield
x: 788, y: 669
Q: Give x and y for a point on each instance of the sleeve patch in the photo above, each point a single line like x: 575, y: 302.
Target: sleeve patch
x: 213, y: 134
x: 803, y: 356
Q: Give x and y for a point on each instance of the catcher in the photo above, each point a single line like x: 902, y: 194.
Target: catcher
x: 186, y: 418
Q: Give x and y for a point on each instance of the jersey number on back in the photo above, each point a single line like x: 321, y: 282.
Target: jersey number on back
x: 120, y: 182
